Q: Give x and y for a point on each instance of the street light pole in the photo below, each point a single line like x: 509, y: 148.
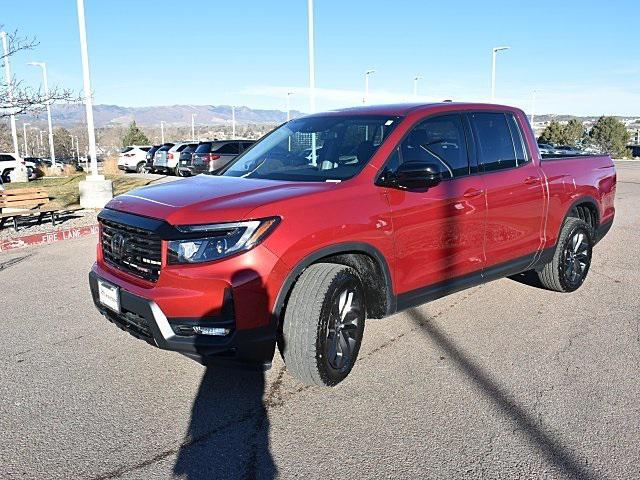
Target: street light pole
x: 233, y: 121
x: 43, y: 66
x: 193, y: 126
x: 95, y: 191
x: 415, y: 84
x: 24, y: 130
x: 289, y: 105
x: 312, y: 61
x: 493, y: 70
x: 366, y: 85
x: 533, y: 105
x: 88, y: 101
x: 162, y: 122
x: 9, y: 82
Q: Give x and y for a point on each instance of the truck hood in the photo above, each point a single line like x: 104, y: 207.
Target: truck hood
x: 208, y: 198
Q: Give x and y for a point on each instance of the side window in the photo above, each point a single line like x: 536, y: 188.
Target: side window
x: 229, y: 148
x: 518, y: 140
x: 495, y: 145
x: 6, y: 158
x: 439, y: 141
x: 246, y: 145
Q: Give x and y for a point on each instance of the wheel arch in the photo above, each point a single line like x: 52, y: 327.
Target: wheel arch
x: 367, y: 260
x: 585, y: 208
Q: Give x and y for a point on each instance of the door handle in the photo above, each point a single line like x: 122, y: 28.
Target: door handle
x: 531, y: 180
x: 472, y: 192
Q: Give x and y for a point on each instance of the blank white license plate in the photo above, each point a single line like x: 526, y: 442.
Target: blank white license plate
x: 109, y: 295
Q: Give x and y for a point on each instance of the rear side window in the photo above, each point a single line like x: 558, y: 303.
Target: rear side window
x: 6, y: 158
x: 127, y: 149
x: 204, y: 147
x: 439, y: 141
x: 145, y: 149
x: 228, y: 148
x: 164, y: 148
x: 518, y: 140
x: 495, y: 145
x: 246, y: 145
x: 181, y: 147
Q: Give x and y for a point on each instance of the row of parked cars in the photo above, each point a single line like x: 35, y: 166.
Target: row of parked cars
x: 548, y: 149
x: 184, y: 158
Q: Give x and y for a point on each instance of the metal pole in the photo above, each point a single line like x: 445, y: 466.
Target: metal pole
x: 493, y: 70
x: 366, y: 85
x: 41, y: 144
x: 24, y: 130
x: 415, y: 85
x: 9, y: 81
x: 233, y: 121
x: 162, y: 132
x: 43, y: 66
x: 77, y: 149
x: 289, y: 115
x: 533, y: 105
x: 87, y: 88
x: 312, y: 75
x: 193, y: 127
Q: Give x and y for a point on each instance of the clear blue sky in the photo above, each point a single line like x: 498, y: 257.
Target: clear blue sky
x: 582, y: 56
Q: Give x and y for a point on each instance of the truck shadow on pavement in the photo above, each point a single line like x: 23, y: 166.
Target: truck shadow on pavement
x: 228, y: 434
x: 557, y: 454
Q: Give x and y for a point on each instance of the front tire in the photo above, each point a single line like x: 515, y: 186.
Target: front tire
x: 323, y: 324
x: 571, y: 261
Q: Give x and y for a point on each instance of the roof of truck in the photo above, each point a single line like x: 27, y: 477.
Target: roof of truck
x: 402, y: 109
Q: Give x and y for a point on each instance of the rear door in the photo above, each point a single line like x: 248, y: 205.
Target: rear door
x: 438, y: 233
x: 515, y: 195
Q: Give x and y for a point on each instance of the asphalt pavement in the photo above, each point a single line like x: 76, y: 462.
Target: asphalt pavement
x: 504, y: 380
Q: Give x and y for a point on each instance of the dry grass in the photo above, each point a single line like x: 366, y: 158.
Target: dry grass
x: 64, y: 191
x: 110, y: 166
x: 67, y: 171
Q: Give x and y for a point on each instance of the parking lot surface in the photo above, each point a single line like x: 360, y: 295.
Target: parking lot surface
x: 501, y: 381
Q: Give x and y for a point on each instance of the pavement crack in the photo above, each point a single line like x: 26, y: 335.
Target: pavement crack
x: 13, y: 261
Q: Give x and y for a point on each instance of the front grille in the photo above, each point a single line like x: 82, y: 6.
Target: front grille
x: 131, y: 249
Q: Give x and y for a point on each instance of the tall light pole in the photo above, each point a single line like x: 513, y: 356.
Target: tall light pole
x: 162, y: 122
x: 193, y: 126
x: 41, y: 143
x: 24, y: 130
x: 366, y: 85
x: 43, y: 66
x: 533, y: 105
x: 493, y: 70
x: 95, y: 191
x: 312, y: 59
x: 9, y: 82
x: 289, y: 105
x: 77, y: 150
x: 415, y: 84
x: 88, y: 101
x: 233, y: 121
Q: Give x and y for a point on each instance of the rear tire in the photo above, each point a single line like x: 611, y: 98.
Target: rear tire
x: 141, y: 168
x: 323, y: 324
x: 571, y: 261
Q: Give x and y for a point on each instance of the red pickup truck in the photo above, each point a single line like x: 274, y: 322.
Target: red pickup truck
x: 341, y: 216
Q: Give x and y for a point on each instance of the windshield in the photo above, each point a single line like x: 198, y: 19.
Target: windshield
x: 315, y: 149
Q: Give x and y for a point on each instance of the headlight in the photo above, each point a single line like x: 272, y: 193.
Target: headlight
x: 218, y: 240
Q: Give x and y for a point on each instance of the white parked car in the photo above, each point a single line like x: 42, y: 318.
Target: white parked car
x: 9, y: 161
x: 133, y: 158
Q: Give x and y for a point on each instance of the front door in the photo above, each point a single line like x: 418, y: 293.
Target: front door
x: 438, y: 232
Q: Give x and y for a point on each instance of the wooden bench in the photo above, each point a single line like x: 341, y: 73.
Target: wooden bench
x: 34, y: 202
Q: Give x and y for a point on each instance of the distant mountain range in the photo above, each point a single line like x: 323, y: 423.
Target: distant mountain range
x: 112, y: 115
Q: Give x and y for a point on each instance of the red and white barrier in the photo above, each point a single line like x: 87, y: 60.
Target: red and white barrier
x: 48, y: 237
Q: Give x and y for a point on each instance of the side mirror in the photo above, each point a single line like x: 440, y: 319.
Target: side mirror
x: 417, y: 176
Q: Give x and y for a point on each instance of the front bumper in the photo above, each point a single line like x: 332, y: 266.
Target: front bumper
x: 144, y: 319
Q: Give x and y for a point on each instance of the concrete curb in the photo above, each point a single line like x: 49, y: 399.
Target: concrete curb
x: 47, y: 237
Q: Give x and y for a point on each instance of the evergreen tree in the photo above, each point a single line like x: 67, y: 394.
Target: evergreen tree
x: 574, y: 133
x: 552, y: 133
x: 610, y: 136
x: 134, y: 136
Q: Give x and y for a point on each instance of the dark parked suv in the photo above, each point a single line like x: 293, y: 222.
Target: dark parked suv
x: 212, y: 156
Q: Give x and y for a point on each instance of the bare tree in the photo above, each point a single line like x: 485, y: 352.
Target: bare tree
x: 25, y: 98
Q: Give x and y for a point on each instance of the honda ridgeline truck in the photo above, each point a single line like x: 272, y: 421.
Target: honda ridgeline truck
x: 342, y: 216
